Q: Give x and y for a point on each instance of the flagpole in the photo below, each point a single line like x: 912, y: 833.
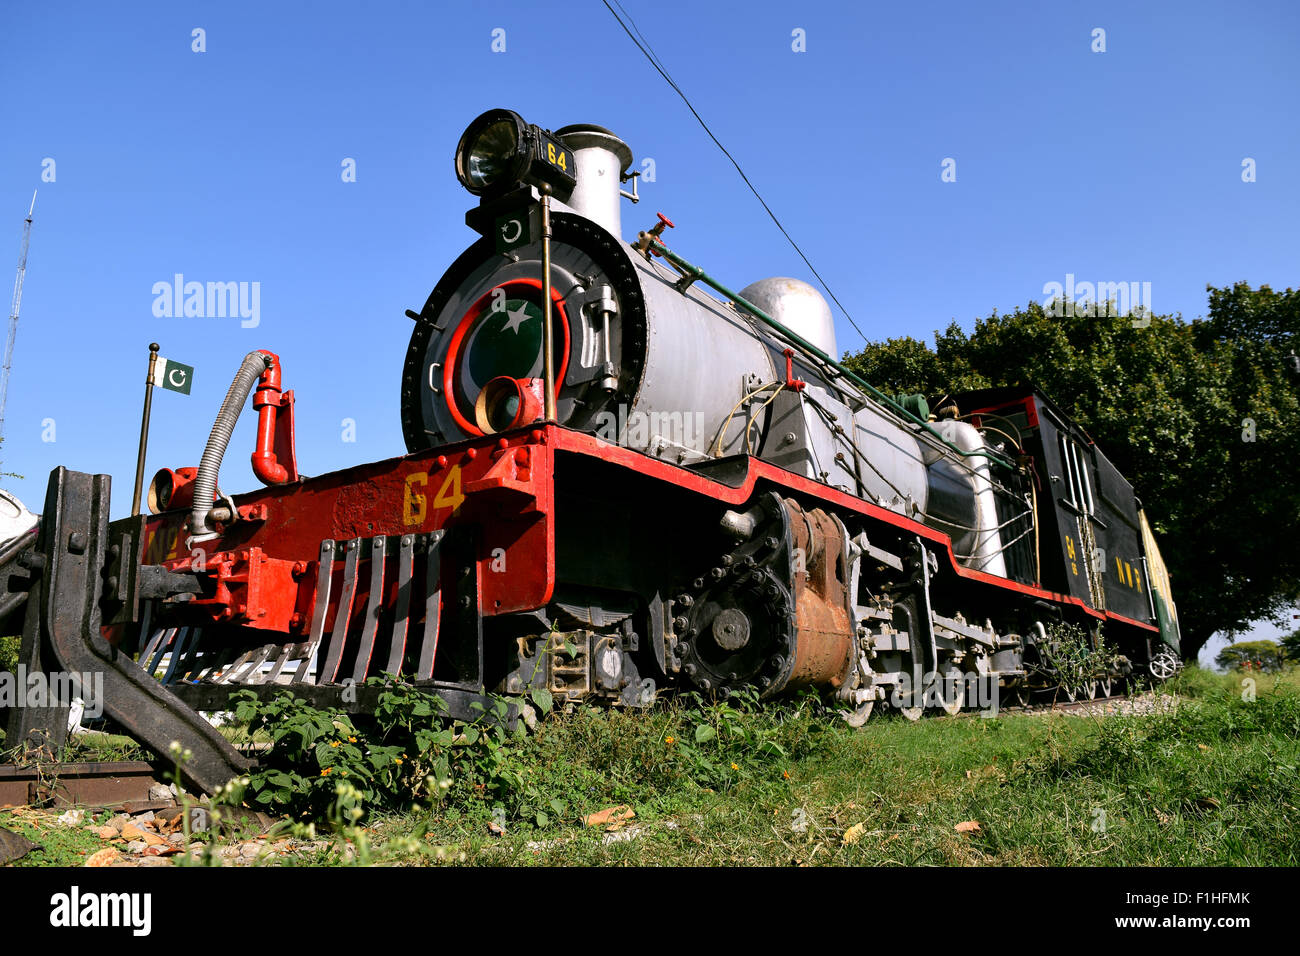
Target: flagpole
x: 144, y: 428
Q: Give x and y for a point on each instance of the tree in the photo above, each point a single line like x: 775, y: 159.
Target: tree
x: 1291, y: 646
x: 1247, y: 652
x: 1200, y: 416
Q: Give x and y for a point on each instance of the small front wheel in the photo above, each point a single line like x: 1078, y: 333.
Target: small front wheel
x: 1164, y: 664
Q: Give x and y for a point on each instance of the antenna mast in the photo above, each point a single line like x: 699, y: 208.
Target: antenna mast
x: 13, y: 314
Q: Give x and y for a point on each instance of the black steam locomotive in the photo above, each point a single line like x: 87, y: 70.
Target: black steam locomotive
x: 621, y: 477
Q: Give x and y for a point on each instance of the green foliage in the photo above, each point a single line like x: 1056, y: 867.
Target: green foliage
x: 1169, y: 404
x: 1236, y: 655
x: 9, y: 649
x: 733, y: 781
x: 393, y: 759
x: 1126, y: 745
x: 572, y: 765
x: 1205, y: 784
x: 726, y: 741
x: 1073, y: 658
x: 1195, y: 681
x: 1207, y: 779
x: 1291, y: 646
x: 901, y: 365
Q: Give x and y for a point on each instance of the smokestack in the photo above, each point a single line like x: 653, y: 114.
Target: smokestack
x: 600, y: 158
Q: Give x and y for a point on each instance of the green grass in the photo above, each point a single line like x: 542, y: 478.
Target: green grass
x: 96, y: 746
x: 1196, y: 682
x: 1212, y: 782
x: 60, y: 845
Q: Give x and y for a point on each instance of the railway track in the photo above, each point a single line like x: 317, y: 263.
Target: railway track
x: 1139, y: 703
x: 125, y: 784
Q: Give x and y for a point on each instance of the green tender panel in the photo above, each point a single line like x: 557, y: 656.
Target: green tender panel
x: 1158, y: 575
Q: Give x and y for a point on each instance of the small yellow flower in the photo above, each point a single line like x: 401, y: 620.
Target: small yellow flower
x: 334, y: 743
x: 326, y: 771
x: 669, y: 740
x: 343, y: 772
x: 785, y: 774
x: 735, y: 766
x: 352, y: 740
x: 397, y: 760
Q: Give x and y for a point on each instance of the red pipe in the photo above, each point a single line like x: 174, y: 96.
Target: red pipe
x: 267, y: 400
x: 790, y: 380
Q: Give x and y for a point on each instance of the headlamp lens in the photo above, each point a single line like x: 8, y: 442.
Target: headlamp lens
x: 492, y: 153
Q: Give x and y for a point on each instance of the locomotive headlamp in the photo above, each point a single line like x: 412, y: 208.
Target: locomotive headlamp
x: 491, y: 151
x: 170, y: 489
x: 160, y: 491
x: 507, y: 403
x: 499, y: 151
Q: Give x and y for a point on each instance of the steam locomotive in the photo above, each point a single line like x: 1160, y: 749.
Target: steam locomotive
x: 622, y: 477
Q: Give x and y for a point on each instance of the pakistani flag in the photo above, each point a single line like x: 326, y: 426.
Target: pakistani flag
x: 173, y: 375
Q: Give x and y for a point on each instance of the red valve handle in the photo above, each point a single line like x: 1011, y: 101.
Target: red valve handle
x: 657, y: 231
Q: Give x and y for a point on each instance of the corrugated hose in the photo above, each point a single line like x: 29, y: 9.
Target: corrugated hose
x: 205, y: 482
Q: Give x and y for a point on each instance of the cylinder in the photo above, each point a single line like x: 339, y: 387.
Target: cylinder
x: 600, y: 158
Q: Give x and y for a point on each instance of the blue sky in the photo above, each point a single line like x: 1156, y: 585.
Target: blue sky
x: 225, y: 165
